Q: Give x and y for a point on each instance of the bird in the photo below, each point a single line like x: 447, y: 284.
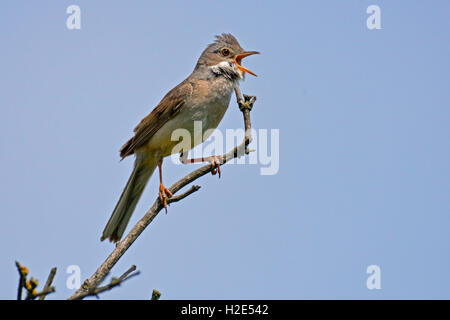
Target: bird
x: 203, y: 96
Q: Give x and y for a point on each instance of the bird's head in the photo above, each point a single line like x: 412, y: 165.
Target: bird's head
x: 224, y: 56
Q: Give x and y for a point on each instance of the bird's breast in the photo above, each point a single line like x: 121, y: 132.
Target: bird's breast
x: 211, y: 106
x: 206, y: 108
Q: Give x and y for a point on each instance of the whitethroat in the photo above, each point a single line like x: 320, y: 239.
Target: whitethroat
x: 203, y: 96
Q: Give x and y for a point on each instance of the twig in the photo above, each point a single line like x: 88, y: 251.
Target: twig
x: 245, y: 105
x: 23, y: 272
x: 95, y: 291
x: 32, y: 284
x: 42, y: 294
x: 156, y: 295
x: 183, y: 195
x: 48, y: 288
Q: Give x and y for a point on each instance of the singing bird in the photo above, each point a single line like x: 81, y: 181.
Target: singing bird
x: 203, y: 96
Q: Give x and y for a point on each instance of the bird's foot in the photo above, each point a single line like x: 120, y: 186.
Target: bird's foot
x: 216, y: 161
x: 164, y: 194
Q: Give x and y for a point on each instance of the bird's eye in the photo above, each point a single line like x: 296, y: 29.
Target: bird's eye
x: 225, y: 52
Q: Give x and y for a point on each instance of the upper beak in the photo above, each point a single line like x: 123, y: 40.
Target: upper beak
x: 238, y: 60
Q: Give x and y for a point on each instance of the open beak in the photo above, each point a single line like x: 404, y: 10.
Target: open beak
x: 238, y: 60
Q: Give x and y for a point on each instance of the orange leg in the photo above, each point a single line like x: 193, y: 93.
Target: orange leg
x: 215, y: 161
x: 164, y: 193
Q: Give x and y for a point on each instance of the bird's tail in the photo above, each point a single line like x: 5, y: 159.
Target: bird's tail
x: 143, y: 170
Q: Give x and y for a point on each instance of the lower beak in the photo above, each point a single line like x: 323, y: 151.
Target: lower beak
x: 238, y: 60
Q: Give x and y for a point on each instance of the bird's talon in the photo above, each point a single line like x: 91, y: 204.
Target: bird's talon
x: 164, y: 193
x: 215, y: 165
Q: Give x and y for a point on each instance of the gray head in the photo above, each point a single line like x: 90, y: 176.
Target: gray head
x: 224, y: 57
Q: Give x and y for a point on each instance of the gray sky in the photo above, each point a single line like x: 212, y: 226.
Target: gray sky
x: 363, y: 124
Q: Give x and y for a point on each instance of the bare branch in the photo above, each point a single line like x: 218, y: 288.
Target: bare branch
x: 43, y: 293
x: 23, y: 272
x: 48, y: 285
x: 95, y: 291
x: 183, y: 195
x: 31, y: 285
x: 245, y: 105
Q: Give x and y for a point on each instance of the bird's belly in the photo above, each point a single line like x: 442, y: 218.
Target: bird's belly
x: 187, y: 124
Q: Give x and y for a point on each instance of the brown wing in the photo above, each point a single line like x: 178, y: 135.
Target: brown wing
x: 169, y: 106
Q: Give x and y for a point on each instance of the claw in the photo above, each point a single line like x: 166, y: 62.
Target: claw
x: 215, y: 165
x: 164, y: 193
x: 215, y: 161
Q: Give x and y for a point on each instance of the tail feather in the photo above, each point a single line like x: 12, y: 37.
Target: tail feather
x: 143, y: 170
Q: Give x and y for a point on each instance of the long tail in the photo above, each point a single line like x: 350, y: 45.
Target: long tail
x: 143, y: 170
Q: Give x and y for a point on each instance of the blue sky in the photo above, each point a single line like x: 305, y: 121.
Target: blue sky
x: 363, y: 120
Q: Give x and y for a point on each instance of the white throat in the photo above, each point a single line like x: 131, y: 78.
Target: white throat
x: 227, y: 69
